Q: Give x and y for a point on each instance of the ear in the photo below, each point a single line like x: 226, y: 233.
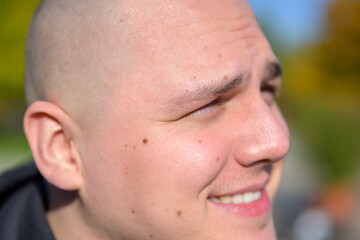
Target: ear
x: 50, y: 133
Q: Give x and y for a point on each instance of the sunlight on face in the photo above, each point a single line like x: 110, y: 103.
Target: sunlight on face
x: 194, y: 143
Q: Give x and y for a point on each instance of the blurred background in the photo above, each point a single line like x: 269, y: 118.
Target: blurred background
x: 318, y: 43
x: 14, y: 19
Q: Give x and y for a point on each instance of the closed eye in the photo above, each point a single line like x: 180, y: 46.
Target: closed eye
x: 207, y: 109
x: 268, y: 93
x: 268, y: 88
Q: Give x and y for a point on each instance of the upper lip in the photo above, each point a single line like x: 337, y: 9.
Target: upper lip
x: 255, y: 185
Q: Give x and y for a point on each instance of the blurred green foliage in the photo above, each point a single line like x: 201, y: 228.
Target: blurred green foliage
x: 322, y: 93
x: 14, y: 20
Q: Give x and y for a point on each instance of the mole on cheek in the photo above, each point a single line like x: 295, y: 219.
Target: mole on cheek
x: 217, y: 159
x: 134, y: 147
x: 200, y: 141
x: 179, y: 213
x: 225, y: 77
x: 151, y: 236
x: 132, y: 211
x: 145, y: 141
x: 219, y: 55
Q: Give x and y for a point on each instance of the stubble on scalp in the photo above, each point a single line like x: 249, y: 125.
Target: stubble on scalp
x: 76, y: 55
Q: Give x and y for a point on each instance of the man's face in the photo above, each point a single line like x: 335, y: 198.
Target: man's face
x: 191, y: 146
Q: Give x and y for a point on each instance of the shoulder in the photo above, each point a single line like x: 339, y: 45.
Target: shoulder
x: 13, y: 180
x: 23, y: 205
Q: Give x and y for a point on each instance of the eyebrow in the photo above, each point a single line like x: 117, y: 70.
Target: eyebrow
x: 211, y: 91
x: 272, y: 70
x: 206, y: 91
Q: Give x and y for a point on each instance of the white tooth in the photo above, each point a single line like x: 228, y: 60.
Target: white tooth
x: 238, y: 199
x: 214, y: 199
x: 225, y: 199
x: 244, y: 198
x: 257, y: 195
x: 248, y: 197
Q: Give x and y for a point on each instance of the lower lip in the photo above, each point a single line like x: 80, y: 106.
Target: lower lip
x: 255, y: 209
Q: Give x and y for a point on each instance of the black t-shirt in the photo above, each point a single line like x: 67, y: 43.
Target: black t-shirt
x: 23, y: 205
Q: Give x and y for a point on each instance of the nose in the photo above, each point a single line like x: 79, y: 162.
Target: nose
x: 262, y: 135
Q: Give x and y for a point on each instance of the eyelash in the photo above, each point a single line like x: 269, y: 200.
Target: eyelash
x: 270, y: 89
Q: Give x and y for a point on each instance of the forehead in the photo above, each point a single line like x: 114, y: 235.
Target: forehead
x: 192, y: 26
x: 176, y: 44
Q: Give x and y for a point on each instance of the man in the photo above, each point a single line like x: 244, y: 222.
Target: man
x: 148, y: 120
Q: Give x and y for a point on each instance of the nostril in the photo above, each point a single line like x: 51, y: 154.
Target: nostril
x: 267, y: 164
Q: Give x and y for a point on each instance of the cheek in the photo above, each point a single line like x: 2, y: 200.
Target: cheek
x: 273, y: 185
x: 187, y: 162
x: 171, y: 173
x: 154, y: 179
x: 104, y: 169
x: 107, y: 162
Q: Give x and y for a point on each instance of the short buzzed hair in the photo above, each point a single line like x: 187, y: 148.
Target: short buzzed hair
x: 65, y: 54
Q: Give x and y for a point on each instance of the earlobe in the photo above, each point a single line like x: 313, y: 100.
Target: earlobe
x: 50, y: 133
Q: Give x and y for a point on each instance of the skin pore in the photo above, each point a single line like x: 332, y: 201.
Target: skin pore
x: 142, y: 112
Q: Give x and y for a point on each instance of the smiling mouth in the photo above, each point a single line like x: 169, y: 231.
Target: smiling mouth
x: 252, y: 203
x: 240, y: 198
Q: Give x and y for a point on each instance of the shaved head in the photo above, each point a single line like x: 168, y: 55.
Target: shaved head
x: 74, y: 50
x: 78, y: 52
